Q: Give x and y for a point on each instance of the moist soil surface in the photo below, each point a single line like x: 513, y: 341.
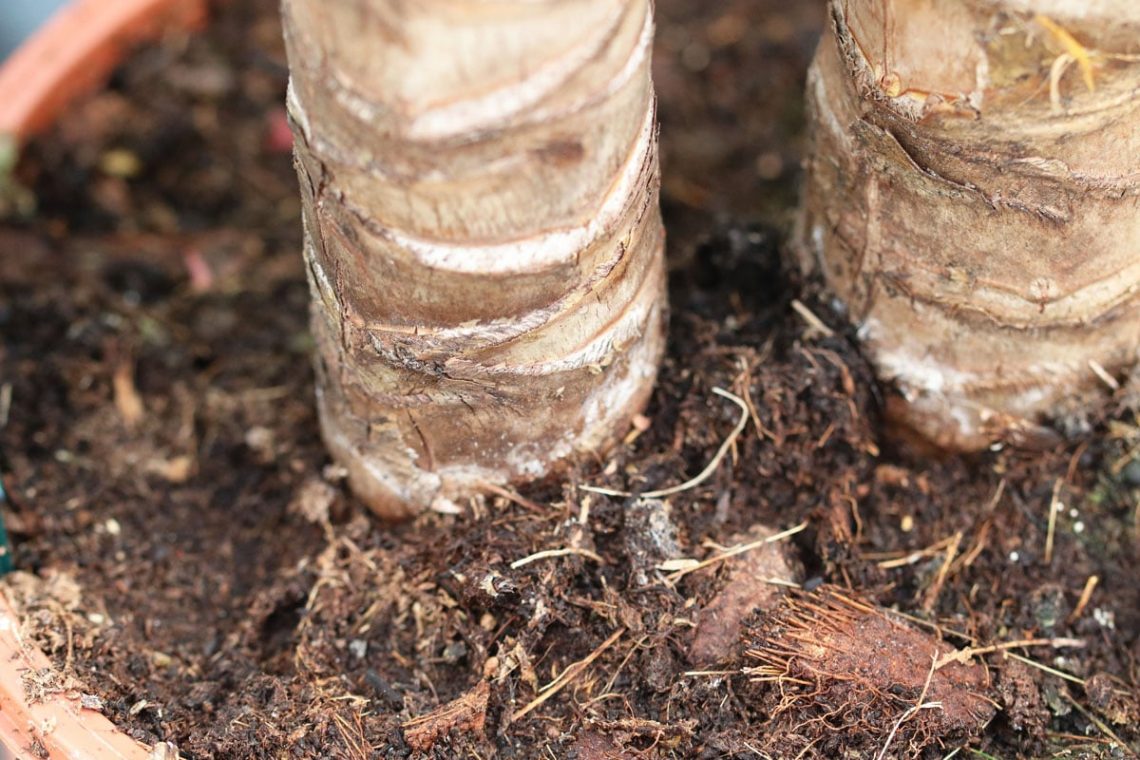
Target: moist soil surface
x: 187, y: 553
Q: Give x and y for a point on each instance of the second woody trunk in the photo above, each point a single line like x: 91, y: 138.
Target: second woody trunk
x: 972, y: 201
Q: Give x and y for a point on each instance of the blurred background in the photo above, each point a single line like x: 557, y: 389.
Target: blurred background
x: 18, y: 18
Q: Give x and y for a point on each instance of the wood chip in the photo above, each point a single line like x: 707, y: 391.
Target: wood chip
x: 127, y: 399
x: 468, y: 714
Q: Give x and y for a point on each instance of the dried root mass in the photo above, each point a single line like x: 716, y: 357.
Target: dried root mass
x: 839, y: 668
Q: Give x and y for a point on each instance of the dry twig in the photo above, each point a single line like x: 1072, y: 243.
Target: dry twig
x: 963, y: 655
x: 1054, y: 508
x: 567, y: 676
x: 1046, y: 668
x: 943, y: 572
x: 1104, y: 729
x: 1086, y: 595
x: 809, y: 316
x: 678, y: 568
x: 548, y: 553
x: 705, y: 473
x: 510, y: 495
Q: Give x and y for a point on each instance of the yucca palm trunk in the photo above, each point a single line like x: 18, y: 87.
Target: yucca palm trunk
x: 480, y: 191
x: 972, y: 200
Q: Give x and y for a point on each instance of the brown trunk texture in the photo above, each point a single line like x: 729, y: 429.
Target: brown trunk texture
x: 972, y: 201
x: 484, y: 244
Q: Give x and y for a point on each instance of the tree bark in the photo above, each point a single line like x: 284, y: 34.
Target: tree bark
x: 482, y: 233
x: 972, y: 201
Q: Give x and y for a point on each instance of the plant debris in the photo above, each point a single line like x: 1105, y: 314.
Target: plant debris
x: 755, y: 583
x: 198, y: 565
x: 845, y: 664
x: 467, y: 713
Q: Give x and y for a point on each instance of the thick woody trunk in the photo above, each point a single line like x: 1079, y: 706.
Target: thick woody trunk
x: 972, y: 201
x: 479, y: 181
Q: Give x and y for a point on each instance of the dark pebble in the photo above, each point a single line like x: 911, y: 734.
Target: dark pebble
x: 384, y: 690
x: 1131, y: 473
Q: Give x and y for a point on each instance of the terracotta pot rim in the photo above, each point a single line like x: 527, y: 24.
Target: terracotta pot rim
x: 75, y: 51
x: 56, y: 722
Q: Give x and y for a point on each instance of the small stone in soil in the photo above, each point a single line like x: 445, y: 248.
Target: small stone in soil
x: 1131, y: 473
x: 454, y: 652
x: 90, y: 702
x: 650, y: 537
x: 384, y: 690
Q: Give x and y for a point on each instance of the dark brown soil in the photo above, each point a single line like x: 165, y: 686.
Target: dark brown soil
x: 186, y: 549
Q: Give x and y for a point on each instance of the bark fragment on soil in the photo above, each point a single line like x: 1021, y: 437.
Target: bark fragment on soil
x: 468, y: 713
x: 752, y: 587
x: 850, y: 669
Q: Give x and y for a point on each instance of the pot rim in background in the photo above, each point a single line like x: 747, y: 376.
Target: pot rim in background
x: 71, y: 54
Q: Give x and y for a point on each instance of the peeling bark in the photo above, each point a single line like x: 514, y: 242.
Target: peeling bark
x: 483, y: 238
x: 972, y: 201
